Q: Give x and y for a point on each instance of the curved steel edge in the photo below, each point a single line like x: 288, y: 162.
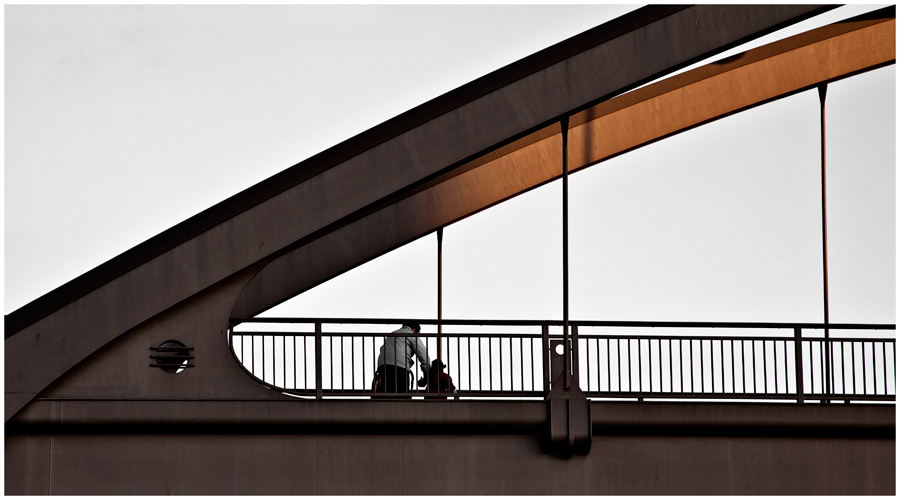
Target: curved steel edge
x: 172, y: 237
x: 184, y: 231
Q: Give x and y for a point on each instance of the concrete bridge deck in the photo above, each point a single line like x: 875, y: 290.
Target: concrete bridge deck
x: 446, y: 447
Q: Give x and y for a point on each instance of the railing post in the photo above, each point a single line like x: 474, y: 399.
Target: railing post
x: 575, y: 374
x: 318, y: 360
x: 545, y: 342
x: 798, y: 363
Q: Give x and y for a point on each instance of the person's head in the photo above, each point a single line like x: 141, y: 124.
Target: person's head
x: 413, y: 326
x: 437, y: 365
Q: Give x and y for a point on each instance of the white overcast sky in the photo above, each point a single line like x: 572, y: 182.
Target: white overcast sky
x: 122, y: 121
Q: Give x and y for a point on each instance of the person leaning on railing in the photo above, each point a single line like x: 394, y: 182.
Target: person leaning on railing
x: 395, y: 359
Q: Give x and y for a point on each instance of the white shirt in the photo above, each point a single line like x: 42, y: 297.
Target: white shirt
x: 399, y: 351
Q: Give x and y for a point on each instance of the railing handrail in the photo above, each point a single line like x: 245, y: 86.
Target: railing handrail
x: 518, y: 322
x: 557, y: 336
x: 815, y: 359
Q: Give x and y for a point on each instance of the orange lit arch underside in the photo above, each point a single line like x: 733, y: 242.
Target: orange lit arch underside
x: 598, y: 133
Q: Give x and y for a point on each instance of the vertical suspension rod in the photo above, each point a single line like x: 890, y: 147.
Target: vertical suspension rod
x: 564, y: 125
x: 822, y: 90
x: 440, y: 288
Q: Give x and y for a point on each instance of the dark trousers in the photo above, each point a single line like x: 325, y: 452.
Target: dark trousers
x: 396, y: 379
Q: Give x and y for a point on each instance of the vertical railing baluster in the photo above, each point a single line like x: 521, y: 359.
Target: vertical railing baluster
x: 531, y: 362
x: 362, y: 361
x: 331, y: 363
x: 480, y: 374
x: 470, y: 365
x: 843, y: 367
x: 659, y: 365
x: 450, y: 365
x: 608, y: 366
x: 374, y: 361
x: 545, y: 356
x: 640, y: 368
x: 671, y: 360
x: 712, y: 365
x: 722, y: 363
x: 522, y: 363
x: 812, y: 368
x: 630, y: 387
x: 500, y: 355
x: 753, y: 361
x: 491, y: 363
x: 787, y: 387
x: 512, y: 376
x: 691, y: 362
x: 702, y: 371
x: 318, y: 355
x: 574, y: 364
x: 459, y: 365
x: 733, y: 379
x: 500, y: 348
x: 587, y: 368
x: 798, y: 363
x: 874, y: 370
x: 864, y: 366
x: 822, y: 366
x: 619, y: 362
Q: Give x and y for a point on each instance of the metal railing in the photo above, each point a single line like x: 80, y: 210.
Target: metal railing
x: 322, y: 357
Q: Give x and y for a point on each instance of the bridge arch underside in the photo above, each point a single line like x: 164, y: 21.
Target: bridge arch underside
x: 598, y: 133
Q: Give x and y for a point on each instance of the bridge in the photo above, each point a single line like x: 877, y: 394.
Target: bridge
x: 155, y: 373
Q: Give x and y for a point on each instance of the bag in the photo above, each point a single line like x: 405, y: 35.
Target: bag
x: 378, y: 381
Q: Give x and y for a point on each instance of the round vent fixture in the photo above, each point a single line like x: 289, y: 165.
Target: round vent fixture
x: 172, y: 356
